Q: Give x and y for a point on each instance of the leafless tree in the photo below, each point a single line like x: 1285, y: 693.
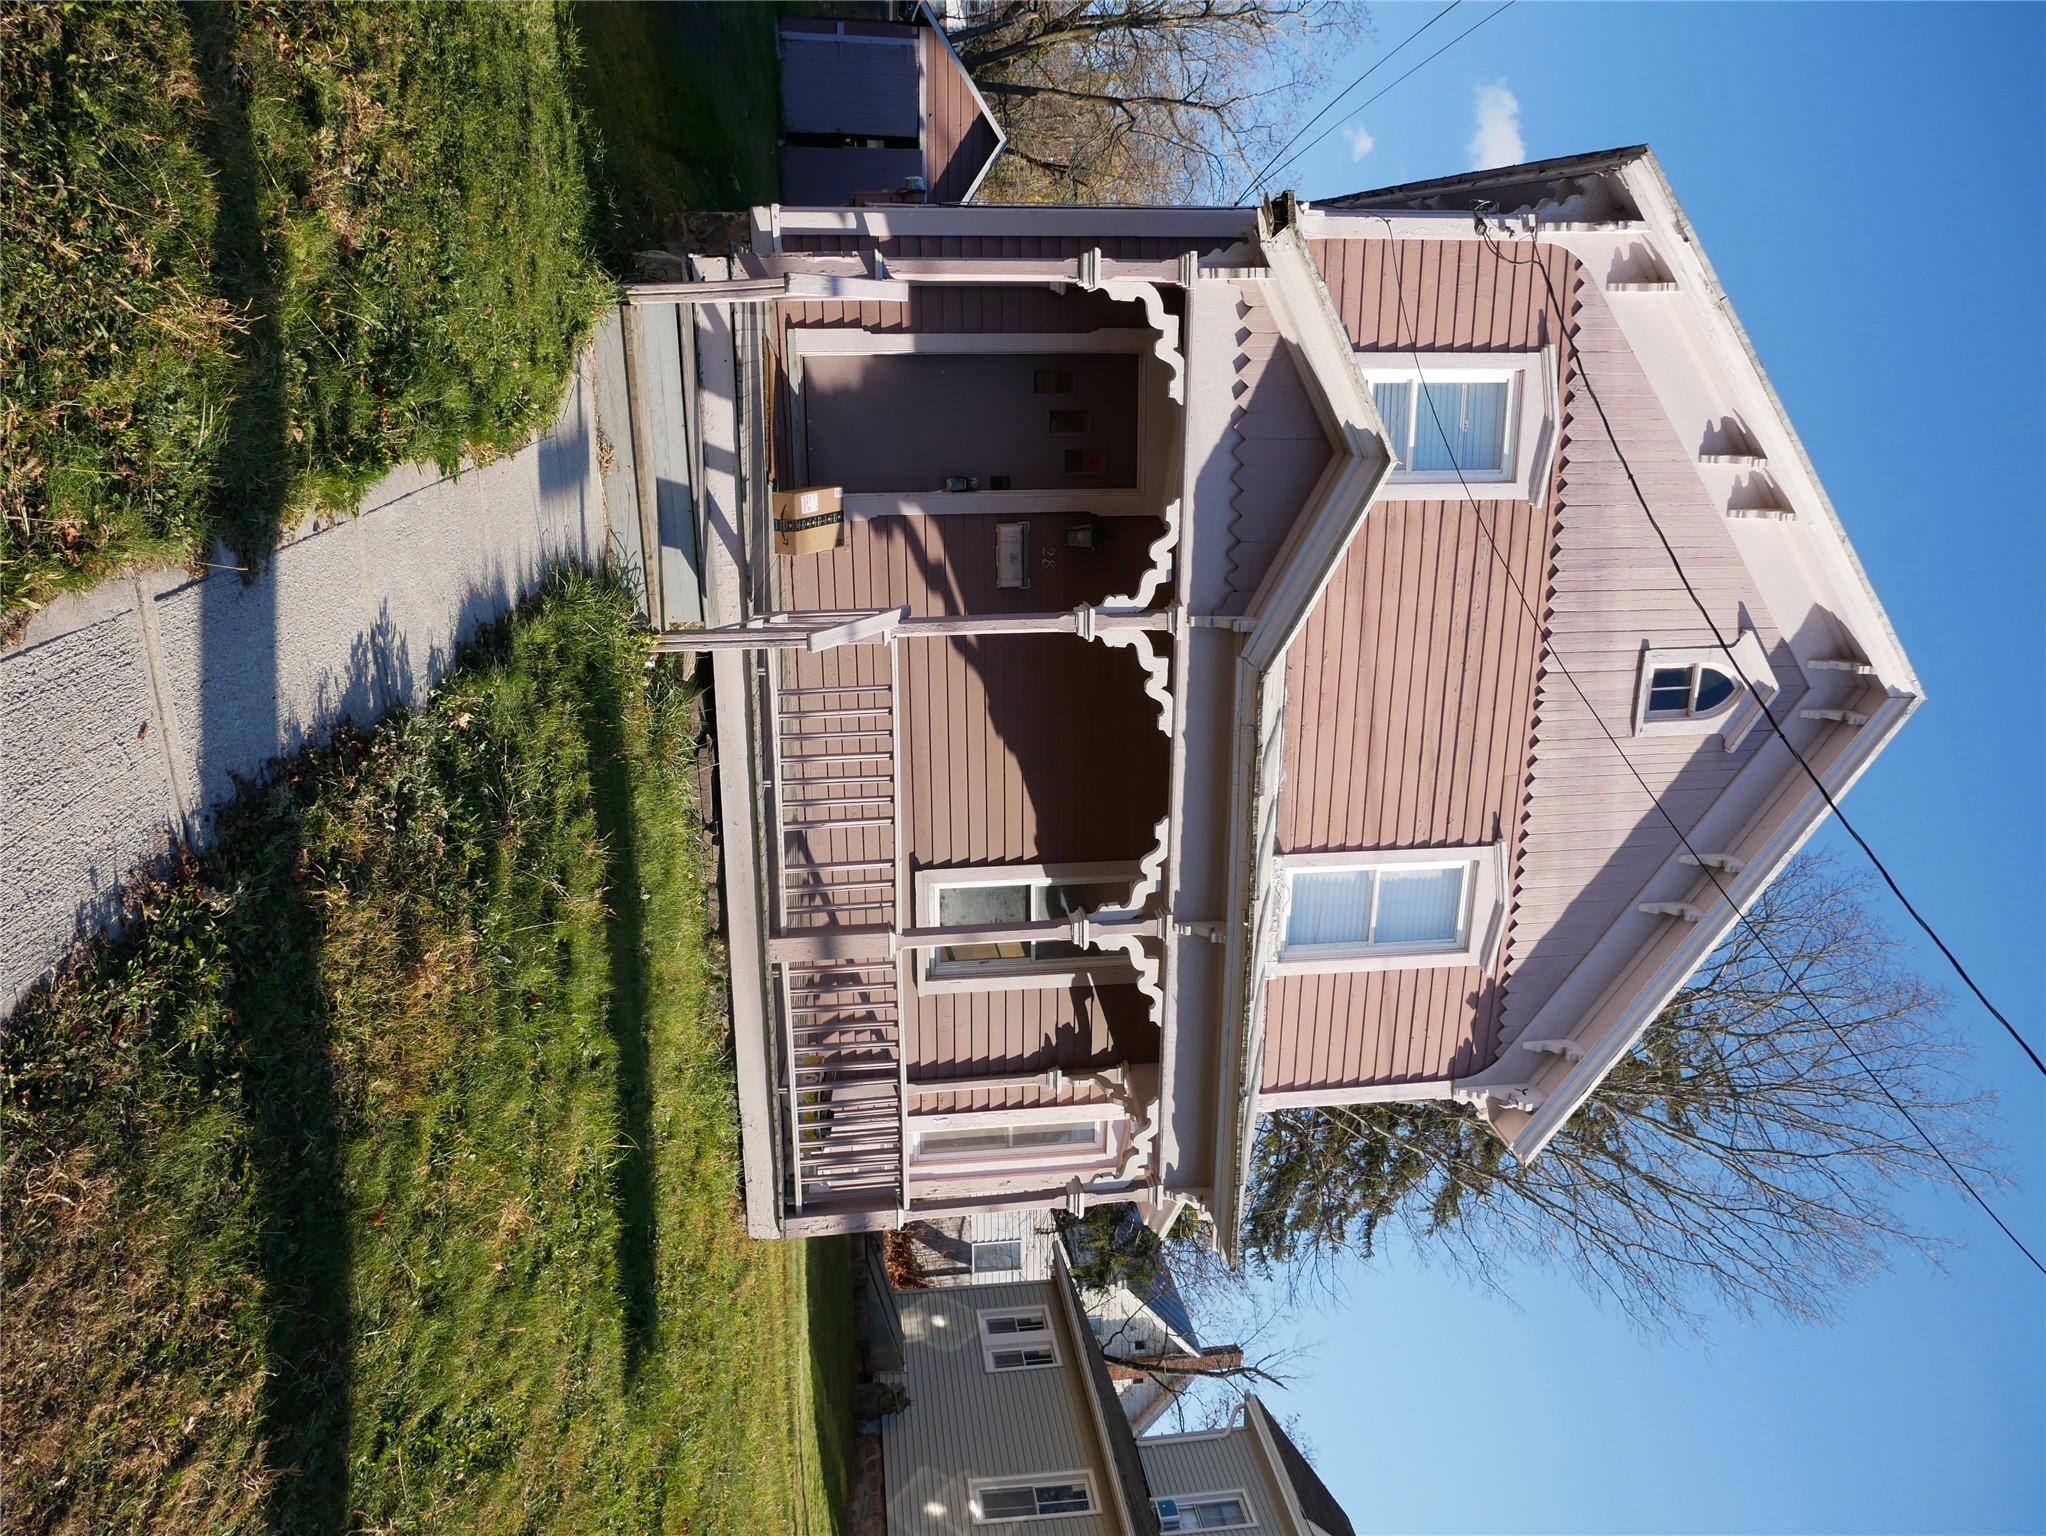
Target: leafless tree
x: 1146, y: 101
x: 1739, y: 1154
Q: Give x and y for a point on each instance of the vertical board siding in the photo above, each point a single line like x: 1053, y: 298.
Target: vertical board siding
x: 1276, y: 445
x: 965, y: 1422
x: 1593, y: 837
x: 1426, y: 706
x: 985, y: 782
x: 1410, y: 694
x: 1221, y: 1463
x: 958, y: 139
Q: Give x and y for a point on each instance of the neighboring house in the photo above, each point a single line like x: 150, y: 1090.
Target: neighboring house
x: 1170, y: 738
x: 879, y: 111
x: 1011, y: 1423
x: 1148, y: 1323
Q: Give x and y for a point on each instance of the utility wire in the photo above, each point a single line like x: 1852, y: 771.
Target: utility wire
x: 1769, y: 714
x: 1512, y: 580
x: 1255, y: 181
x: 1438, y: 53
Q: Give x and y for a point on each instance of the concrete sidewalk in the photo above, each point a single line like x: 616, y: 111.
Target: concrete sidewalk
x: 127, y: 713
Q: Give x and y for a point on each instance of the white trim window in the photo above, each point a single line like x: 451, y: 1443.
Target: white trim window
x: 1698, y: 690
x: 1390, y: 909
x: 1017, y: 1339
x: 1229, y: 1511
x: 1489, y: 414
x: 1041, y: 1496
x: 998, y: 1256
x: 989, y: 896
x: 980, y: 1141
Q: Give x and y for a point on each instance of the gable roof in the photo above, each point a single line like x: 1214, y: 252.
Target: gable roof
x: 1769, y: 808
x: 965, y: 151
x: 1310, y: 1495
x: 1360, y: 459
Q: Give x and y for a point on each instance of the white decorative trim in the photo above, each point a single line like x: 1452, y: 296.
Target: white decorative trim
x: 1157, y: 669
x: 1157, y: 573
x: 1165, y: 327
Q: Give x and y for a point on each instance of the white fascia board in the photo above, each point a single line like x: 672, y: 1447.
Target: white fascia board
x: 1082, y: 1340
x: 1791, y: 833
x: 1275, y: 1469
x: 1363, y: 449
x: 1681, y: 247
x: 1321, y: 535
x: 1260, y: 710
x: 930, y: 19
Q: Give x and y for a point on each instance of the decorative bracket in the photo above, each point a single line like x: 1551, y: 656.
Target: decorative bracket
x: 1164, y: 326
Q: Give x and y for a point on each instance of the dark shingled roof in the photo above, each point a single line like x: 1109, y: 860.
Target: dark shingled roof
x: 1316, y: 1502
x: 1122, y: 1440
x: 1413, y: 193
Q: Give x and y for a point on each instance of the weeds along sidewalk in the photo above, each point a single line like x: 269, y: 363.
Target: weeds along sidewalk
x: 385, y: 1172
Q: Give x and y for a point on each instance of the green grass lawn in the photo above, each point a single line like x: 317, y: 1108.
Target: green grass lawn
x: 685, y: 105
x: 258, y: 254
x: 385, y: 1174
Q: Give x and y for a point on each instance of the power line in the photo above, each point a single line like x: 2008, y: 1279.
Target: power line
x: 1769, y: 714
x: 1256, y: 180
x: 1438, y: 53
x: 1513, y: 581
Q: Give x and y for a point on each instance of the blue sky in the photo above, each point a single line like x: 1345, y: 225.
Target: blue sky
x: 1867, y: 181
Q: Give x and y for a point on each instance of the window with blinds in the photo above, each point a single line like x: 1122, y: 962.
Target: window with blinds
x: 1443, y: 427
x: 1395, y: 906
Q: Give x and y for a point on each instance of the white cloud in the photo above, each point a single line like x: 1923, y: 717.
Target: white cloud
x: 1496, y: 140
x: 1361, y: 142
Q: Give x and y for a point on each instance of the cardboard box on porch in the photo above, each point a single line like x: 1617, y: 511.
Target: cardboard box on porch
x: 809, y: 519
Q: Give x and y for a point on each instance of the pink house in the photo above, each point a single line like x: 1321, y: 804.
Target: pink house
x: 1245, y: 677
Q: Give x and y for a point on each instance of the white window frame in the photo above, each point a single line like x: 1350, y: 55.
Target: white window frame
x: 1732, y: 716
x: 1215, y: 1496
x: 1108, y: 1120
x: 1033, y: 1480
x: 996, y: 1269
x: 992, y: 1344
x: 1530, y: 378
x: 939, y: 976
x: 1483, y: 911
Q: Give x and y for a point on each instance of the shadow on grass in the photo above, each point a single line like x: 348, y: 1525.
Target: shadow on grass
x: 685, y: 103
x: 288, y: 1093
x: 834, y: 1362
x: 625, y: 940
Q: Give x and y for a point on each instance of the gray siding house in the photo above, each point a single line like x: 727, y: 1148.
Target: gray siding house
x: 1147, y: 1323
x: 1011, y: 1423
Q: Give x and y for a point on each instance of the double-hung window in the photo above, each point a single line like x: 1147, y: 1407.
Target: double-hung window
x: 1002, y: 1257
x: 1012, y: 896
x: 1442, y: 427
x: 1383, y: 909
x: 1017, y: 1339
x: 1485, y: 420
x: 1204, y: 1512
x: 1032, y: 1498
